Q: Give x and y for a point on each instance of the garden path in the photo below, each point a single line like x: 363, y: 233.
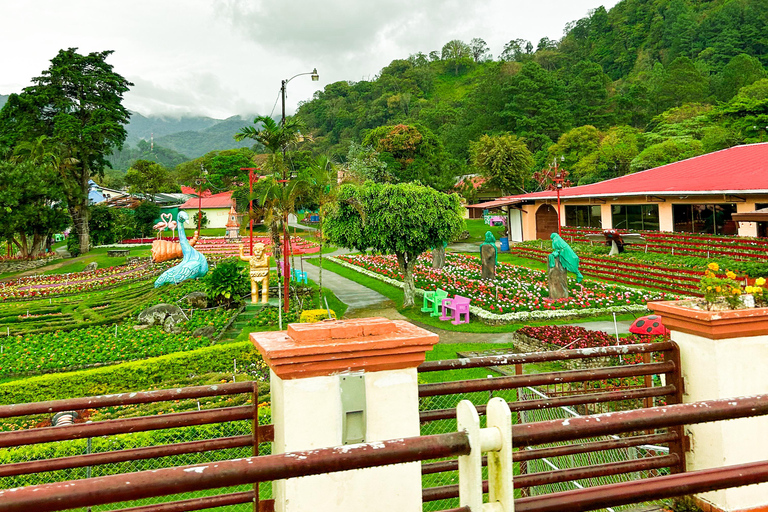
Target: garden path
x: 362, y: 301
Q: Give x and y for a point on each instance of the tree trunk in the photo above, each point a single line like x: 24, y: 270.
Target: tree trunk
x: 407, y: 264
x: 79, y: 214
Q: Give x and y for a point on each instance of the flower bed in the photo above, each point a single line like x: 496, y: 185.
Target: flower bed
x: 517, y: 292
x: 223, y: 246
x: 100, y: 345
x: 76, y: 282
x: 674, y: 280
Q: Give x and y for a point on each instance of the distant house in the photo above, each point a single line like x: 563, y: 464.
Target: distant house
x: 98, y: 194
x: 483, y: 191
x: 215, y: 206
x: 697, y: 195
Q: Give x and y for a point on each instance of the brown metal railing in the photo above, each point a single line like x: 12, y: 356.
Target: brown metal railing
x: 641, y: 394
x: 264, y: 433
x: 145, y: 484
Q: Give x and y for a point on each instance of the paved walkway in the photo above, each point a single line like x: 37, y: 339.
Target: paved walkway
x: 362, y: 301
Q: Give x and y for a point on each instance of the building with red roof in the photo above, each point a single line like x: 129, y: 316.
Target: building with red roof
x: 215, y: 206
x: 697, y: 195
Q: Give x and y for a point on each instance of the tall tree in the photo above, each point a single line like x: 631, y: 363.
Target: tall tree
x: 77, y: 102
x: 458, y: 54
x: 479, y: 49
x: 504, y: 159
x: 147, y: 178
x: 403, y: 219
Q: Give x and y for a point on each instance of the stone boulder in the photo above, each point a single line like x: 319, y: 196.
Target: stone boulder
x: 206, y: 330
x: 165, y: 315
x: 91, y: 267
x: 197, y: 300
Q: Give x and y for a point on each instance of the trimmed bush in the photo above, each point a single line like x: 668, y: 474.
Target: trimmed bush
x: 311, y: 316
x: 134, y: 376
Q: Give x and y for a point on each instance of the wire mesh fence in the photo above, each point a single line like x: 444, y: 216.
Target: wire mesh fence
x: 137, y: 440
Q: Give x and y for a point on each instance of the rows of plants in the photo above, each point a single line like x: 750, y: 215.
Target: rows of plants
x: 77, y: 311
x: 620, y: 270
x: 706, y: 246
x: 222, y: 246
x: 54, y: 285
x: 45, y: 352
x: 515, y: 289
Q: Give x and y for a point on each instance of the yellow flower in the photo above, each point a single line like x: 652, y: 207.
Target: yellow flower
x: 735, y: 291
x: 713, y: 267
x: 730, y: 275
x: 760, y: 281
x: 709, y: 288
x: 707, y: 273
x: 718, y: 289
x: 749, y: 289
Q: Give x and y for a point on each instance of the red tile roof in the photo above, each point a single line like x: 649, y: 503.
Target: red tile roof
x: 736, y: 170
x: 194, y: 191
x: 222, y: 200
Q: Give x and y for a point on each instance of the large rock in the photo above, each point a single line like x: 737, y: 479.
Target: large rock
x: 173, y: 323
x: 557, y: 281
x: 206, y: 330
x: 197, y: 300
x: 91, y: 267
x: 157, y: 315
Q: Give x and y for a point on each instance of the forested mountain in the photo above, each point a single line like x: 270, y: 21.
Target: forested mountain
x: 216, y: 137
x: 143, y: 127
x: 646, y: 83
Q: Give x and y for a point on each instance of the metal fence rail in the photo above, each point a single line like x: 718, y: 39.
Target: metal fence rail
x: 588, y: 390
x: 156, y: 440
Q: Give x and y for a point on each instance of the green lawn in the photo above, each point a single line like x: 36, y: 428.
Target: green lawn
x: 98, y: 255
x: 477, y: 229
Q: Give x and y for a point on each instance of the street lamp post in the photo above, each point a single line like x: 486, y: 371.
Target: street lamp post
x: 558, y: 180
x: 252, y: 176
x: 286, y: 268
x: 199, y: 182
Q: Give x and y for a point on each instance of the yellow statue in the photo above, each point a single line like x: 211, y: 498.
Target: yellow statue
x: 259, y: 272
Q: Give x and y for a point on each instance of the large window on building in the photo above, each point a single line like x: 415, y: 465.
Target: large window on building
x: 714, y: 219
x: 635, y: 217
x: 583, y: 216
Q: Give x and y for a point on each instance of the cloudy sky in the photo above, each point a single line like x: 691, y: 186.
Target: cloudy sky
x: 226, y: 57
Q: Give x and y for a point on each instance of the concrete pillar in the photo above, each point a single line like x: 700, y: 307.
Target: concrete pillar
x: 341, y: 382
x: 723, y: 355
x: 747, y: 228
x: 666, y: 220
x: 605, y: 216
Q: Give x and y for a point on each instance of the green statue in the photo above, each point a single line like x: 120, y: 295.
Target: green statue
x: 490, y: 240
x: 488, y: 257
x: 568, y: 259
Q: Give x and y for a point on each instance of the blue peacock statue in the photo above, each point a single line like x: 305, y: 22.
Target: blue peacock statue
x: 193, y: 264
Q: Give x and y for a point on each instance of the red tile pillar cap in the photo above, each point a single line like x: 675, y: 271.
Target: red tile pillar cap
x: 331, y: 347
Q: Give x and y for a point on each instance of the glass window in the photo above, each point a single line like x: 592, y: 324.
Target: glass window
x: 635, y: 217
x: 713, y: 219
x: 584, y: 216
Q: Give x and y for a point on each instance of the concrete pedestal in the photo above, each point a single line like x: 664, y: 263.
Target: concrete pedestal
x: 718, y: 361
x: 309, y: 363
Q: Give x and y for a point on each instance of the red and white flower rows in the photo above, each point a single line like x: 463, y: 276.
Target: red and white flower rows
x: 517, y: 293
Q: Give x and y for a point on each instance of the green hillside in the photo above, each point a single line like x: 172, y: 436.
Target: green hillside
x: 646, y: 83
x: 213, y: 138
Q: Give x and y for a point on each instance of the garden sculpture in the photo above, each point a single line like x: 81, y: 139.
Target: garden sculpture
x: 259, y: 272
x: 438, y: 255
x: 561, y: 261
x: 164, y: 250
x: 489, y: 256
x: 192, y: 265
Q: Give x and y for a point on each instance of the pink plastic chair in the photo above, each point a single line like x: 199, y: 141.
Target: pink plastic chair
x: 458, y: 305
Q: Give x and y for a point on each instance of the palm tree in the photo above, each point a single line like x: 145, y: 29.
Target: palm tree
x: 321, y: 185
x: 279, y: 198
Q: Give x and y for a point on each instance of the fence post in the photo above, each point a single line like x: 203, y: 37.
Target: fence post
x: 496, y: 439
x: 345, y: 382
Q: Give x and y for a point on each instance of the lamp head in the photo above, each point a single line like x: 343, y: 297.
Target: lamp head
x: 315, y: 76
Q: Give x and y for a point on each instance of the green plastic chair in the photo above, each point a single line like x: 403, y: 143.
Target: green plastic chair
x: 432, y: 301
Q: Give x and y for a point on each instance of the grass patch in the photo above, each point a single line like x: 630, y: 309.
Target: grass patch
x: 99, y: 256
x: 477, y: 229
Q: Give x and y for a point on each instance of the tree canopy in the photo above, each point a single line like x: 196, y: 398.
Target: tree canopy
x: 404, y: 219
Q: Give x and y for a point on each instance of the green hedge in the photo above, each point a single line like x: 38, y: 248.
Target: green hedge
x: 134, y: 376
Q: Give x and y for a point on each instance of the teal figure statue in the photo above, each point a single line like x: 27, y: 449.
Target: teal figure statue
x: 489, y: 256
x: 193, y: 264
x: 563, y: 252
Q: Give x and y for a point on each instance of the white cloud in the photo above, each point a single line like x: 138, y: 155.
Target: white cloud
x: 228, y: 57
